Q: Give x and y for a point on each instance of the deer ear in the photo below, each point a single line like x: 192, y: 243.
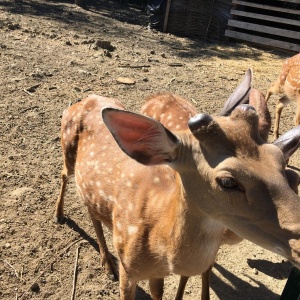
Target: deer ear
x: 289, y: 142
x: 142, y: 138
x: 239, y: 96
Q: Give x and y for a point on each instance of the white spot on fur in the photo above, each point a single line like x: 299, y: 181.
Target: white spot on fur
x: 156, y: 180
x: 132, y: 229
x: 119, y: 239
x: 119, y: 225
x: 130, y: 206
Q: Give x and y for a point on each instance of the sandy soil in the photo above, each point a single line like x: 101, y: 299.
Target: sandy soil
x: 51, y: 55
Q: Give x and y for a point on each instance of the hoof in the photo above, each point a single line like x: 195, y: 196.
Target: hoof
x: 112, y: 277
x: 59, y: 219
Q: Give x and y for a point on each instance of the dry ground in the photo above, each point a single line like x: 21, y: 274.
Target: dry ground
x: 49, y: 59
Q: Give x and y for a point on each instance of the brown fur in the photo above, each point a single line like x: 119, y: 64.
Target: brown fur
x: 288, y: 84
x: 172, y: 219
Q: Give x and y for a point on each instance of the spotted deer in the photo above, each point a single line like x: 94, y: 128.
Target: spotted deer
x: 167, y: 196
x: 167, y: 107
x: 288, y: 84
x: 174, y: 112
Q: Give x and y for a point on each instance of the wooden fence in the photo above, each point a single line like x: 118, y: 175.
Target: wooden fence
x: 269, y: 23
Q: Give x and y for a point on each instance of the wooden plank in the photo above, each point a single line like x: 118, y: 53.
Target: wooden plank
x: 267, y: 7
x: 167, y: 15
x: 264, y: 17
x: 265, y: 29
x: 262, y: 40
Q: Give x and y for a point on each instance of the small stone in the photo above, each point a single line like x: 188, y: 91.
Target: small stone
x: 35, y: 287
x: 105, y: 45
x: 107, y: 53
x: 126, y: 80
x: 255, y: 271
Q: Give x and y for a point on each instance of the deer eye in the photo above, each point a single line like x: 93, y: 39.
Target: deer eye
x: 227, y: 182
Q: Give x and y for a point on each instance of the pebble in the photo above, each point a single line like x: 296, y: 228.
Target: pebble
x: 255, y: 271
x: 7, y: 245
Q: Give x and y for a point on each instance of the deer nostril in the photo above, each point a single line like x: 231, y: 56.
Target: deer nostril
x: 199, y: 121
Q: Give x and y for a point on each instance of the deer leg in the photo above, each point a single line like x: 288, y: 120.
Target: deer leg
x: 181, y: 287
x: 106, y: 259
x: 156, y: 288
x: 205, y: 284
x: 297, y: 120
x: 59, y: 207
x: 127, y: 287
x: 282, y: 102
x: 268, y: 95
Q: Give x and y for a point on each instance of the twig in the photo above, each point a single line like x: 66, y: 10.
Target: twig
x: 194, y: 101
x: 27, y: 92
x: 28, y: 108
x: 75, y: 274
x: 133, y: 66
x: 47, y: 266
x: 16, y: 273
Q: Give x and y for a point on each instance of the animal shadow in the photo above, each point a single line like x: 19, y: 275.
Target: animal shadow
x: 275, y: 270
x: 239, y: 288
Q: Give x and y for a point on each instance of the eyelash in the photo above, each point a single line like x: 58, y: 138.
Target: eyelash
x: 227, y: 183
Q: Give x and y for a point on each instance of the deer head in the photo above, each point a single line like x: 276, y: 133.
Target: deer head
x: 226, y: 170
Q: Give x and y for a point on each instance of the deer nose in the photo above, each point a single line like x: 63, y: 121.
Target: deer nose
x: 199, y: 121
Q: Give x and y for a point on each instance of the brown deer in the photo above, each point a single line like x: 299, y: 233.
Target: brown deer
x: 170, y: 215
x: 288, y: 84
x: 167, y: 107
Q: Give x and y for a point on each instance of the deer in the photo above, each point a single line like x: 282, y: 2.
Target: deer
x: 165, y: 107
x: 168, y: 195
x: 288, y: 84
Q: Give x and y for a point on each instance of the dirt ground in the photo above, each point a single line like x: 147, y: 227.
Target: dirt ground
x: 51, y: 55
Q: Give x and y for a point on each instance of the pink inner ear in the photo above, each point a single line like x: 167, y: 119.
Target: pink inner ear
x: 142, y: 138
x: 129, y: 127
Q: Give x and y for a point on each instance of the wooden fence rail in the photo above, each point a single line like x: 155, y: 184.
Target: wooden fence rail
x: 268, y: 25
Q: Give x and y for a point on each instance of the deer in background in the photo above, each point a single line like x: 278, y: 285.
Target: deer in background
x: 168, y: 210
x: 288, y: 84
